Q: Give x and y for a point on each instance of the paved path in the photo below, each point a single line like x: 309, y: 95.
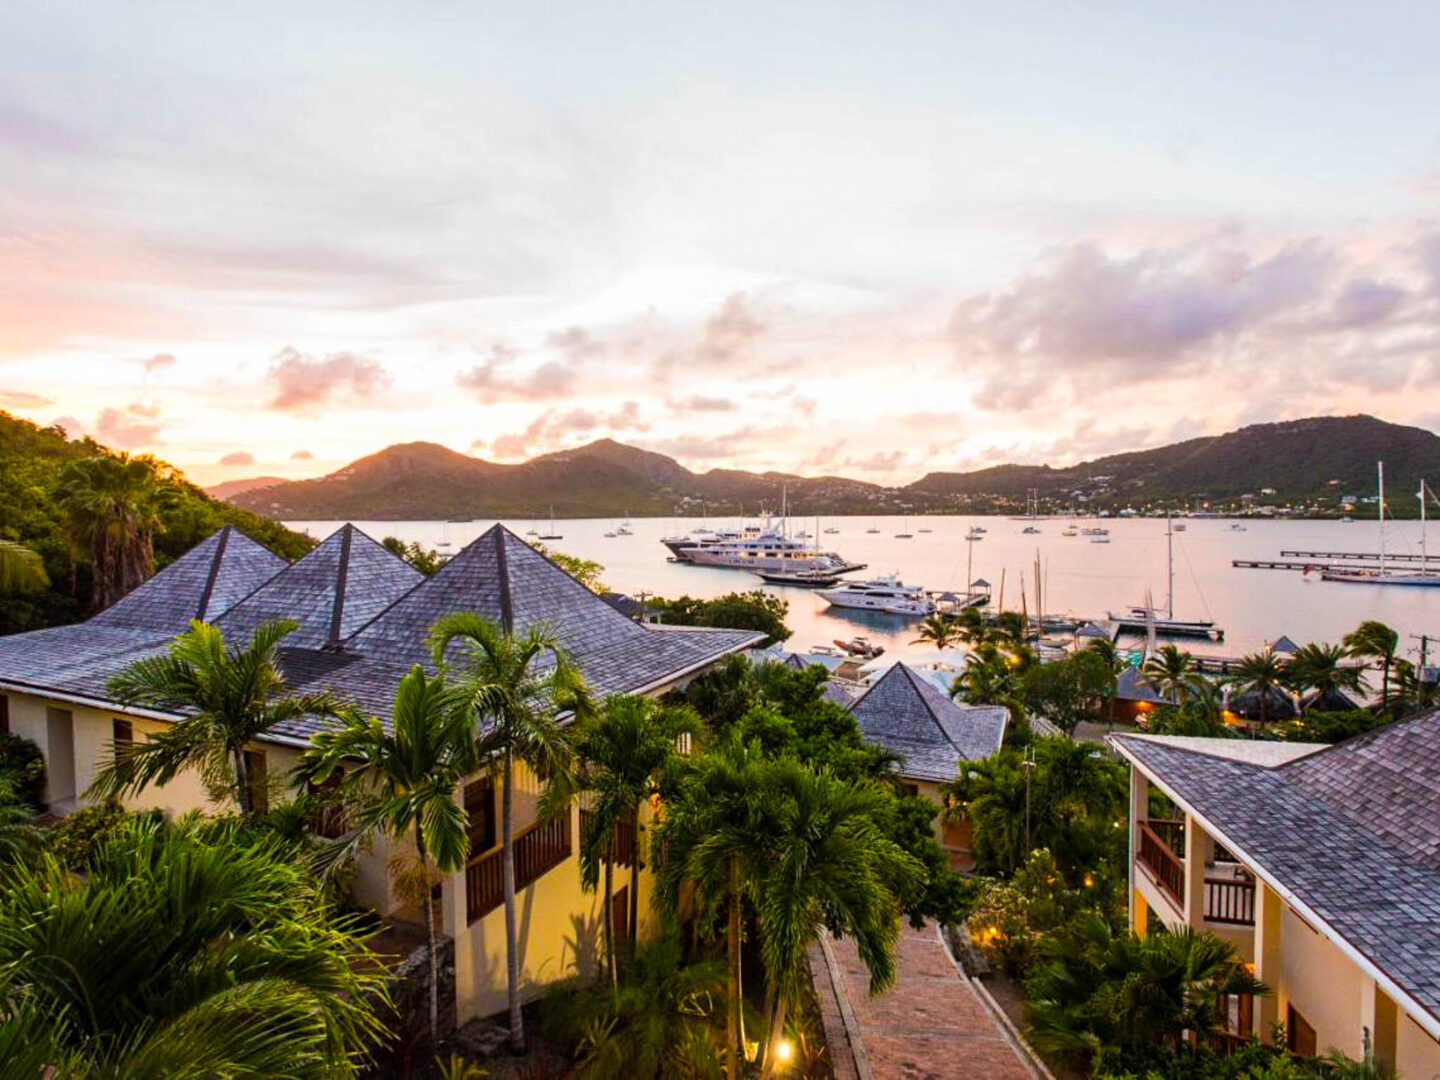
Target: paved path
x: 931, y: 1025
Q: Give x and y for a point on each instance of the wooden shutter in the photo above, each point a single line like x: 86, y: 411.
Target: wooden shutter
x: 1299, y: 1035
x: 122, y: 734
x: 480, y: 815
x: 4, y: 715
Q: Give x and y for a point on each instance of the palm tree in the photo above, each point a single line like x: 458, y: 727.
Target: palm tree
x: 970, y: 626
x: 1114, y: 663
x: 124, y: 971
x: 723, y: 694
x: 988, y: 679
x: 21, y: 569
x: 621, y: 753
x: 938, y: 631
x: 1171, y: 672
x: 230, y: 695
x: 1373, y: 640
x: 990, y: 794
x: 111, y: 505
x: 404, y: 782
x: 716, y: 834
x: 1321, y: 668
x: 832, y: 867
x: 516, y: 686
x: 1261, y: 674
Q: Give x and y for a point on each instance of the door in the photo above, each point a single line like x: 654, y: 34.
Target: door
x: 60, y: 759
x: 620, y: 923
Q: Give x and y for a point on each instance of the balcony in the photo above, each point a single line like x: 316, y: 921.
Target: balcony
x: 1229, y: 888
x: 538, y: 850
x: 624, y: 850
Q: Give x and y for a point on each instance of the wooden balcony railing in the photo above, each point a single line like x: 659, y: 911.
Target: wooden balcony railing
x: 624, y: 854
x: 1230, y: 900
x: 538, y: 850
x: 1171, y: 831
x: 1161, y: 860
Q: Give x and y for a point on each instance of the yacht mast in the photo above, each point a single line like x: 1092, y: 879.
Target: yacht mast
x: 1380, y: 475
x: 1169, y: 567
x: 1424, y: 558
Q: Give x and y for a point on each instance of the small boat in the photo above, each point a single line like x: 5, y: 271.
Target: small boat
x: 1095, y: 530
x: 1237, y: 527
x: 804, y: 579
x: 977, y: 529
x: 1030, y: 530
x: 610, y: 536
x: 873, y: 532
x: 823, y: 650
x: 1070, y: 531
x: 832, y: 531
x: 552, y: 534
x: 905, y: 533
x: 924, y: 530
x: 443, y: 543
x: 975, y: 533
x: 1179, y: 526
x: 859, y: 646
x: 624, y: 530
x: 887, y: 594
x: 1099, y: 539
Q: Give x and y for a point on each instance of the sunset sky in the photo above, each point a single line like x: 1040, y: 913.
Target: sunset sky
x: 824, y: 237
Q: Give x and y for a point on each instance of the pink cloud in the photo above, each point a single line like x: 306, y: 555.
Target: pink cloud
x: 303, y: 383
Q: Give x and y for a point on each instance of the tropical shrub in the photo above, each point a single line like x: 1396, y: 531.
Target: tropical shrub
x: 73, y: 840
x: 753, y: 610
x: 22, y: 766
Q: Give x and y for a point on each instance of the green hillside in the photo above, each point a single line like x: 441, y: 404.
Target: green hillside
x: 31, y: 459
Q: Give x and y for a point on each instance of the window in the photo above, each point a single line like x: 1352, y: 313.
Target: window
x: 1299, y: 1036
x: 912, y: 790
x: 480, y: 815
x: 330, y: 820
x: 4, y: 715
x: 122, y: 734
x: 258, y: 782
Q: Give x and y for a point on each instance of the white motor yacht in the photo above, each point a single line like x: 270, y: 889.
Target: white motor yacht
x: 768, y: 551
x: 887, y: 594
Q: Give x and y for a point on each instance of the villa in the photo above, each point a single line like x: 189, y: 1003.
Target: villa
x: 363, y: 616
x: 1321, y: 864
x: 903, y: 711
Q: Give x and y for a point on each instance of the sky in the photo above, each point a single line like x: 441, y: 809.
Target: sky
x: 866, y: 239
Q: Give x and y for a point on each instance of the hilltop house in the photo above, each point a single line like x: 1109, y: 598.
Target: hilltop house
x: 1321, y: 864
x: 904, y: 712
x: 363, y: 615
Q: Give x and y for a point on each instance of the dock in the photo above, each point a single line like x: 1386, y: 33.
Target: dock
x: 1367, y: 556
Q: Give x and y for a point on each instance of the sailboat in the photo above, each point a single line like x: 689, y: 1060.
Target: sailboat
x: 552, y: 534
x: 1422, y: 578
x: 907, y: 534
x: 1145, y: 616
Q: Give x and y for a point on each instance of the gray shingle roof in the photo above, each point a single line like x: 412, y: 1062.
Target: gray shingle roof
x: 1131, y: 685
x: 364, y: 616
x: 204, y: 583
x: 331, y: 592
x: 905, y: 713
x: 1353, y: 831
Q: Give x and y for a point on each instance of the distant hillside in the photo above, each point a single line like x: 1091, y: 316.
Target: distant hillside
x: 1305, y: 462
x: 1297, y: 459
x: 31, y: 461
x: 238, y: 487
x: 604, y: 478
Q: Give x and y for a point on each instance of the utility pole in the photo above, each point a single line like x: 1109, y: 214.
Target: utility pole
x: 1029, y: 765
x: 1423, y: 673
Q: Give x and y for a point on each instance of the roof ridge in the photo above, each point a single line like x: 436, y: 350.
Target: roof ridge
x: 507, y: 605
x: 215, y: 561
x: 920, y: 688
x: 337, y: 611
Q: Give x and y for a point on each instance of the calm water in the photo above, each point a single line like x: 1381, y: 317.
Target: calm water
x: 1252, y: 606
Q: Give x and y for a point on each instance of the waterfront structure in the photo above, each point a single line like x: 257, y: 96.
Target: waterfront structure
x: 904, y: 712
x: 1321, y: 864
x: 363, y: 617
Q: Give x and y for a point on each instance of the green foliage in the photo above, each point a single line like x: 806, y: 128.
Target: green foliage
x: 1077, y: 803
x: 753, y: 610
x: 1092, y: 988
x: 664, y: 1022
x: 74, y: 839
x: 183, y: 951
x: 21, y: 570
x: 1329, y: 727
x: 32, y: 459
x: 1010, y: 917
x: 1068, y: 691
x: 22, y: 767
x: 426, y: 560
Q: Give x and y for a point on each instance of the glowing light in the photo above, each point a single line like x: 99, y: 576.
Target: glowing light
x: 1089, y: 881
x: 784, y: 1051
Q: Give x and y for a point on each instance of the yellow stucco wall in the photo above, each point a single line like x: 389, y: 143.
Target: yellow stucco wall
x: 1322, y: 983
x: 1417, y: 1055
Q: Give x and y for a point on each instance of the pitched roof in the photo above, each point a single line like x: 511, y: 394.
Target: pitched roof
x: 1131, y: 685
x: 204, y: 583
x: 906, y: 713
x: 1351, y: 832
x: 364, y: 615
x: 334, y: 590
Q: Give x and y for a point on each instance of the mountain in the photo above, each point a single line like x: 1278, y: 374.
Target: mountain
x: 239, y: 487
x: 1304, y: 461
x: 1298, y: 459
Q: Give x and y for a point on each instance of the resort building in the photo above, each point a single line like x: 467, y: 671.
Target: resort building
x: 363, y: 616
x: 1321, y: 864
x: 904, y: 712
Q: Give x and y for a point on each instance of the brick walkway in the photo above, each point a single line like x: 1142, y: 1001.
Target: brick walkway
x: 931, y: 1025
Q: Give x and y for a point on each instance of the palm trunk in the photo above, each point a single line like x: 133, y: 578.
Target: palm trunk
x: 1385, y: 684
x: 512, y: 948
x: 607, y: 927
x: 767, y: 1014
x: 734, y: 1035
x: 242, y: 784
x: 772, y: 1042
x: 632, y: 928
x: 430, y: 942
